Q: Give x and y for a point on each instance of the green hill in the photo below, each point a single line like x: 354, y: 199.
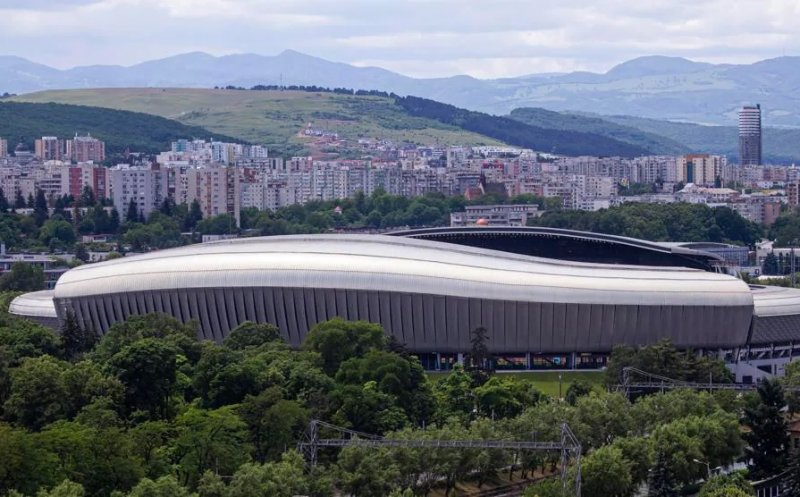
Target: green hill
x: 278, y: 117
x: 653, y: 142
x: 120, y: 130
x: 274, y: 118
x: 540, y: 138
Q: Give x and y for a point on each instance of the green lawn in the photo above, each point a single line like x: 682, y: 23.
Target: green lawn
x: 547, y: 381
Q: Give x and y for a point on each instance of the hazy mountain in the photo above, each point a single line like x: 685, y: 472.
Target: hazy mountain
x: 655, y: 87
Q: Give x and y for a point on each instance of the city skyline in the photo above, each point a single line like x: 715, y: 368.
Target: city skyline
x: 436, y: 38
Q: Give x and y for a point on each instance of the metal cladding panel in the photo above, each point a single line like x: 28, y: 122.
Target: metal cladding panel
x: 463, y: 323
x: 234, y: 310
x: 330, y: 302
x: 117, y: 304
x: 300, y: 307
x: 512, y: 331
x: 475, y: 318
x: 547, y: 325
x: 559, y: 327
x: 571, y: 314
x: 776, y: 329
x: 341, y: 304
x: 498, y: 326
x: 310, y: 302
x: 406, y: 315
x: 440, y: 321
x: 528, y: 325
x: 374, y: 308
x: 250, y: 305
x: 397, y: 316
x: 352, y: 305
x: 429, y: 321
x: 289, y: 330
x: 157, y: 304
x: 386, y: 313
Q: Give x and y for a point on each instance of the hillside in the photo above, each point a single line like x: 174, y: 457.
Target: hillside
x: 781, y: 145
x: 655, y: 143
x: 120, y: 130
x: 566, y: 142
x: 654, y: 86
x: 277, y: 118
x: 274, y: 118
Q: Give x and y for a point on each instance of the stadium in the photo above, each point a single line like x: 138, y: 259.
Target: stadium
x: 549, y: 298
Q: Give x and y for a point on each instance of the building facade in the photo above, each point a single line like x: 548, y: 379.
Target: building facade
x: 750, y: 140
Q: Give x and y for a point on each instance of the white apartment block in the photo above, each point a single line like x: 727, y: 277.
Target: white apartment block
x: 216, y: 188
x: 146, y: 186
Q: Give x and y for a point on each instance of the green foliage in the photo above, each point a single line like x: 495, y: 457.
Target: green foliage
x: 518, y: 133
x: 767, y: 439
x: 251, y: 335
x: 653, y: 142
x: 606, y: 473
x: 22, y: 277
x: 665, y: 359
x: 661, y: 481
x: 727, y: 485
x: 668, y: 222
x: 578, y: 388
x: 337, y: 340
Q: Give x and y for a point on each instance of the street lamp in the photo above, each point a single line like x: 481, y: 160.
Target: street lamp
x: 559, y: 386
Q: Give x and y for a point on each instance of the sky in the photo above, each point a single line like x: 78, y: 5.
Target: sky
x: 420, y: 38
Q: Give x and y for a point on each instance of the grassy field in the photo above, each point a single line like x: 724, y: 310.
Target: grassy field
x: 547, y: 381
x: 274, y: 118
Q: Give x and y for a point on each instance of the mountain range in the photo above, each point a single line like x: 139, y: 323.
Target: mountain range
x: 654, y: 87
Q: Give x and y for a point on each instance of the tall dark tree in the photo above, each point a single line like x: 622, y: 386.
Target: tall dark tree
x: 133, y: 212
x: 19, y: 200
x: 30, y: 203
x: 661, y: 482
x: 792, y: 479
x: 195, y: 216
x: 87, y: 197
x: 3, y: 201
x: 113, y: 223
x: 770, y: 266
x: 75, y: 339
x: 40, y: 210
x: 479, y: 360
x: 767, y: 440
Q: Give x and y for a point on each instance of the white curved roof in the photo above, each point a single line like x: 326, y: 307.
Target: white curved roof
x: 386, y: 263
x: 34, y: 304
x: 775, y: 301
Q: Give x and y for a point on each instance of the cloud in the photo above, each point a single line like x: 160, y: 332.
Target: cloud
x: 484, y: 38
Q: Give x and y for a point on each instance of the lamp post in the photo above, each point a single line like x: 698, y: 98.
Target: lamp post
x: 559, y: 386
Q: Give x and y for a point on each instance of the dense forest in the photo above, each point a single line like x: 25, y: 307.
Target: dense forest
x: 678, y: 222
x: 120, y: 130
x: 147, y: 410
x: 544, y: 118
x: 507, y: 130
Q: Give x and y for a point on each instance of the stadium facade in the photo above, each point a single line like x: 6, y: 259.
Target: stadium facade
x: 548, y: 298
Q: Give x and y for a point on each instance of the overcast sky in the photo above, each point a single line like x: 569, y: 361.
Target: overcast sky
x: 487, y: 38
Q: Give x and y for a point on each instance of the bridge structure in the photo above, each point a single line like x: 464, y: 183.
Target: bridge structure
x: 568, y: 445
x: 635, y: 379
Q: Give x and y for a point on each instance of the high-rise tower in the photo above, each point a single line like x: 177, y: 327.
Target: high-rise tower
x: 750, y: 135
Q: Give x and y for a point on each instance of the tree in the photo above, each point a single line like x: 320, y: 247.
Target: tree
x: 727, y: 485
x: 19, y: 200
x: 64, y: 489
x: 251, y: 335
x: 40, y: 210
x: 75, y: 339
x: 209, y: 440
x: 23, y: 277
x: 166, y: 486
x: 195, y: 216
x: 38, y: 395
x: 661, y: 482
x: 132, y: 215
x: 148, y: 369
x: 3, y: 202
x: 606, y: 473
x: 792, y: 379
x: 274, y: 424
x: 284, y: 478
x: 770, y: 266
x: 57, y: 232
x: 768, y: 440
x: 26, y: 464
x: 479, y: 360
x: 337, y: 340
x: 578, y: 388
x: 792, y: 478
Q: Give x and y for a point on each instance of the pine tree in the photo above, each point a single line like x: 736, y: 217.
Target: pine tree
x: 113, y: 224
x: 768, y: 440
x: 661, y: 482
x: 479, y: 359
x: 792, y: 479
x: 40, y: 209
x: 133, y: 212
x: 75, y: 339
x: 19, y: 200
x: 3, y: 201
x: 30, y: 203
